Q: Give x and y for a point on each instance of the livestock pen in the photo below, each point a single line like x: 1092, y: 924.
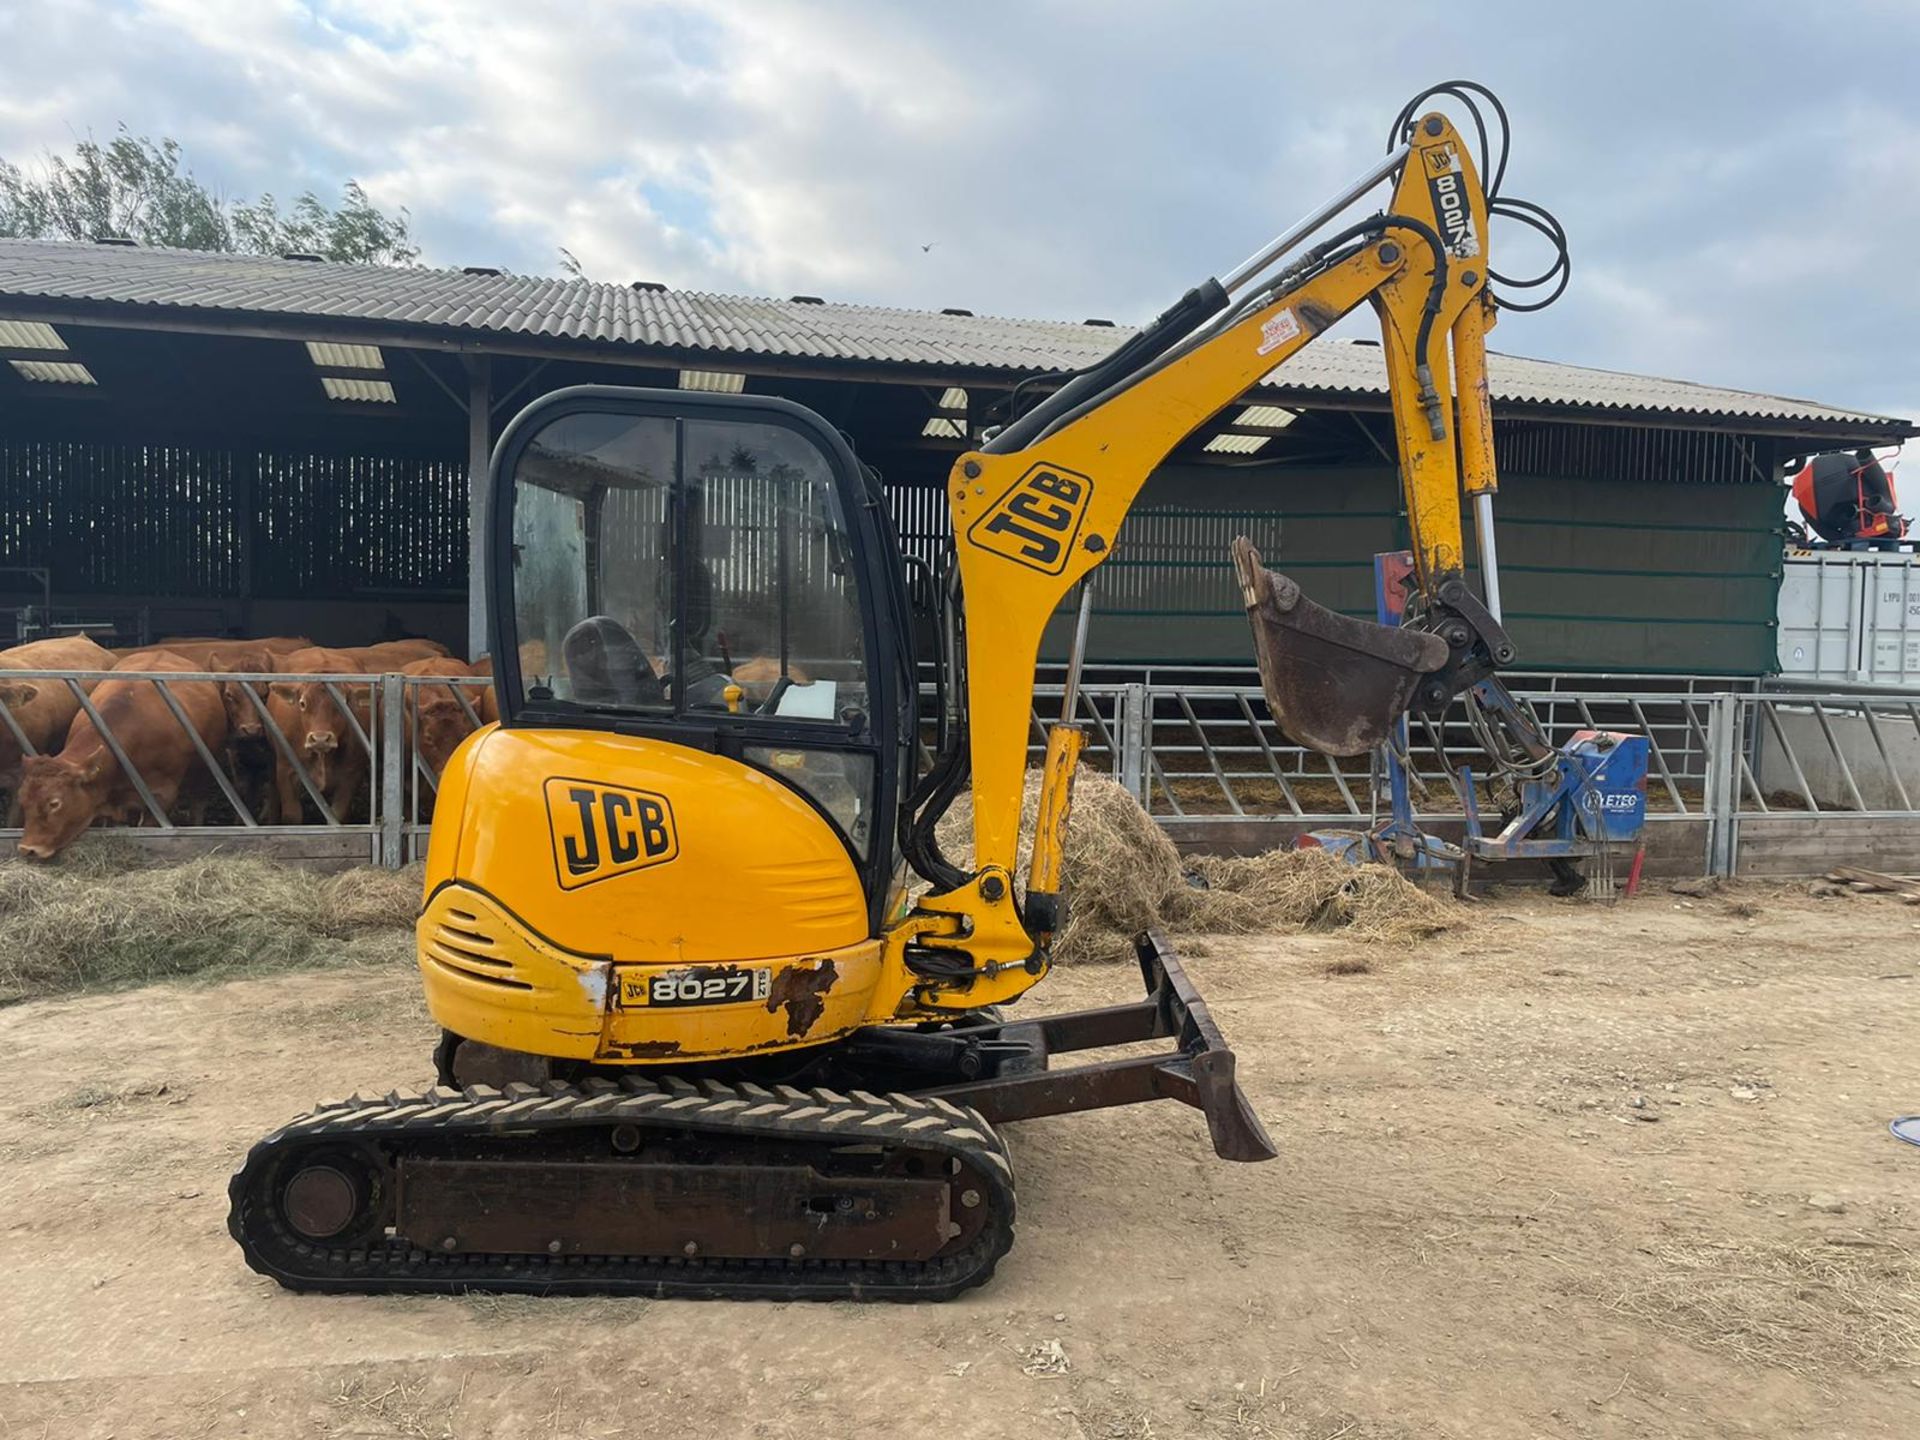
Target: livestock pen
x: 1754, y: 780
x: 384, y: 821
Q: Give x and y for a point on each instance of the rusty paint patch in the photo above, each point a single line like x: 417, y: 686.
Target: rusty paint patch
x: 801, y: 990
x: 641, y: 1049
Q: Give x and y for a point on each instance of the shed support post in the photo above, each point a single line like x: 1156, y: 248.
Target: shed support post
x: 391, y: 772
x: 1722, y: 781
x: 1133, y: 738
x: 479, y: 446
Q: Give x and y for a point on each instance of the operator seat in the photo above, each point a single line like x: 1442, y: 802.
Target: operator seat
x: 608, y: 667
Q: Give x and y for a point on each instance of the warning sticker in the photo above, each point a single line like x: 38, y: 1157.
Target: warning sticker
x: 1278, y: 331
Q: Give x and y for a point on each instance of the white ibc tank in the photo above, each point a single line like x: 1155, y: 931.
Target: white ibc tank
x: 1851, y: 616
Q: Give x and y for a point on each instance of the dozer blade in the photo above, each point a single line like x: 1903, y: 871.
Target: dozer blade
x: 1197, y: 1069
x: 1334, y: 684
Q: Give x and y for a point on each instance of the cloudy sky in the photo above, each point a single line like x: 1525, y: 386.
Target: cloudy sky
x: 1741, y: 181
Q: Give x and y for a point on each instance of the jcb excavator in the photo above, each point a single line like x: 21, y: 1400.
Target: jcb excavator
x: 701, y: 1035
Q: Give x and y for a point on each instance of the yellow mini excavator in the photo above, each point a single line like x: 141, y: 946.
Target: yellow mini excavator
x: 703, y: 1035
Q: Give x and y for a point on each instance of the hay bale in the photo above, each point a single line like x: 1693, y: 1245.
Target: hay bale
x: 104, y: 916
x: 1124, y: 875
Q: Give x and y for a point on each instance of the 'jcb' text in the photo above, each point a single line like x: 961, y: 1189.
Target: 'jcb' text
x: 600, y: 831
x: 1035, y: 523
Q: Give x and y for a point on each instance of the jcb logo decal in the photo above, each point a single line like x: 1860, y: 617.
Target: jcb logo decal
x: 1035, y: 523
x: 600, y: 831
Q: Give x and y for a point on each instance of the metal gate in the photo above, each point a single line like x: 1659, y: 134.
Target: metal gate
x: 1781, y: 780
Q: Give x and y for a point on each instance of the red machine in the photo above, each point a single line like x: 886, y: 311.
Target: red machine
x: 1848, y: 500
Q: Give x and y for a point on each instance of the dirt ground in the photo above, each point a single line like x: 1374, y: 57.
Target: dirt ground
x: 1581, y: 1171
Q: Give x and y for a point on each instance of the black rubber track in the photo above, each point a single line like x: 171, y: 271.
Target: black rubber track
x: 381, y: 1265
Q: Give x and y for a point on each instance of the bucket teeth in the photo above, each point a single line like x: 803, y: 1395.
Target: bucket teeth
x: 1333, y: 683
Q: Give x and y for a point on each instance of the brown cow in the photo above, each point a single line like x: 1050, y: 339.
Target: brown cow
x: 488, y: 700
x: 65, y: 652
x: 319, y: 731
x: 391, y: 655
x: 436, y: 720
x: 250, y: 750
x: 279, y: 644
x: 43, y: 709
x: 318, y: 728
x: 219, y: 653
x: 63, y: 794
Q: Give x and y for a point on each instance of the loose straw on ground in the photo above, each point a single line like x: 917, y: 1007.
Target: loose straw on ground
x: 1124, y: 875
x: 102, y: 915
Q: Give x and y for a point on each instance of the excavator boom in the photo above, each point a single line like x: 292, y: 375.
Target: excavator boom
x: 1039, y: 506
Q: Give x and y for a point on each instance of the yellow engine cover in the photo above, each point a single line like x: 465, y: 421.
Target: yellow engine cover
x: 612, y: 898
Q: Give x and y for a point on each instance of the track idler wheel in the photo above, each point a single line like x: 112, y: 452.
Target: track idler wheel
x: 334, y: 1196
x: 1333, y: 683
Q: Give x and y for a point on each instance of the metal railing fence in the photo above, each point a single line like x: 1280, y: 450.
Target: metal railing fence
x: 1746, y: 759
x: 1727, y: 758
x: 237, y: 779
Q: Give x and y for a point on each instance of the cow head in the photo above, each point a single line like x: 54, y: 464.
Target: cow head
x: 244, y: 724
x: 439, y: 727
x: 313, y: 722
x: 57, y: 801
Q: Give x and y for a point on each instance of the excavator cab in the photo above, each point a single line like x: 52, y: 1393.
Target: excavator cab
x: 705, y: 716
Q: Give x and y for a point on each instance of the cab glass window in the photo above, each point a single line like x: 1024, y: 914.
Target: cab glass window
x: 772, y: 604
x: 593, y: 561
x: 672, y: 567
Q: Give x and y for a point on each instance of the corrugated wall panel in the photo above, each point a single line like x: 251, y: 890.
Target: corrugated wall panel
x: 1597, y: 574
x: 168, y: 520
x: 347, y: 525
x: 125, y: 519
x: 1609, y: 575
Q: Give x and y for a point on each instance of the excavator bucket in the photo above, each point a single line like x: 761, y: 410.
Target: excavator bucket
x: 1334, y: 684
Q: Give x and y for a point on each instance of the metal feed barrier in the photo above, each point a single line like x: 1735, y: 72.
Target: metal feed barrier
x: 1775, y: 780
x: 1824, y: 776
x: 385, y: 820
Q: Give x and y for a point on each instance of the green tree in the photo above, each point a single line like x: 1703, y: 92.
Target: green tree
x: 356, y: 230
x: 142, y: 189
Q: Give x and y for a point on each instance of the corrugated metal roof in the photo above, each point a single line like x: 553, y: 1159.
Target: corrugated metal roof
x: 689, y: 323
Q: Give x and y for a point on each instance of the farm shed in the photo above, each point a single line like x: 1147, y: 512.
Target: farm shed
x: 199, y: 442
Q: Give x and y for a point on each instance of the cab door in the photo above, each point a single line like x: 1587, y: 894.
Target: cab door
x: 713, y: 571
